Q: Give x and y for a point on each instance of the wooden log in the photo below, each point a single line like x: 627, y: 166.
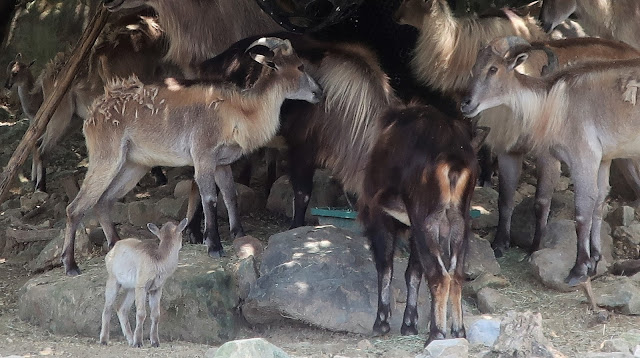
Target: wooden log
x: 39, y: 123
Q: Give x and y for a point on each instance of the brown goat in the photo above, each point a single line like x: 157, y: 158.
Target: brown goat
x: 141, y: 268
x: 134, y: 127
x: 426, y: 182
x: 585, y: 115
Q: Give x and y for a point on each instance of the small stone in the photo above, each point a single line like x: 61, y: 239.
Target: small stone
x: 141, y: 213
x: 246, y: 246
x: 40, y: 196
x: 249, y: 348
x: 28, y: 203
x: 485, y: 280
x: 616, y: 345
x: 563, y: 183
x: 364, y: 344
x: 622, y: 216
x: 492, y: 301
x: 484, y: 331
x: 446, y: 348
x: 182, y: 189
x: 480, y: 258
x: 172, y: 208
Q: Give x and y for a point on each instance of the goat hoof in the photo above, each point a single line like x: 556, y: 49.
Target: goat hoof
x: 216, y: 254
x: 155, y: 344
x: 104, y: 343
x: 576, y: 277
x: 136, y: 344
x: 73, y: 270
x: 433, y: 336
x: 408, y: 330
x: 381, y: 328
x: 459, y: 333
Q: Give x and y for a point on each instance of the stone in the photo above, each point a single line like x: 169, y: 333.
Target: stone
x: 632, y: 337
x: 364, y: 345
x: 249, y: 201
x: 484, y: 331
x: 249, y: 348
x: 491, y: 300
x: 486, y: 220
x: 616, y: 345
x: 607, y: 355
x: 480, y: 258
x: 51, y: 255
x: 563, y: 183
x: 523, y: 219
x: 621, y: 216
x: 182, y: 189
x: 485, y: 198
x: 198, y: 301
x: 521, y: 335
x: 142, y: 212
x: 471, y: 288
x: 551, y: 265
x: 246, y: 246
x: 627, y: 241
x: 120, y: 213
x: 325, y: 277
x: 326, y: 192
x: 28, y: 203
x: 40, y: 196
x: 10, y: 204
x: 246, y: 275
x: 446, y: 348
x: 97, y: 236
x: 170, y: 208
x: 618, y: 293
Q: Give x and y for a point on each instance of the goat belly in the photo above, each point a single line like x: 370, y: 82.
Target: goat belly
x: 168, y: 157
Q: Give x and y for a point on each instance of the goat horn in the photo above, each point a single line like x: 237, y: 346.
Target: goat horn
x: 501, y: 46
x: 272, y: 43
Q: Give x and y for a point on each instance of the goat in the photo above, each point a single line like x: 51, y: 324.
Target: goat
x: 615, y: 20
x: 507, y: 137
x: 141, y: 268
x: 426, y: 182
x: 134, y: 127
x: 29, y: 90
x: 584, y: 115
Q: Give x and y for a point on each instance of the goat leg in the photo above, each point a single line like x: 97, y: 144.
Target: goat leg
x: 413, y: 278
x: 548, y: 173
x: 509, y: 169
x: 224, y: 180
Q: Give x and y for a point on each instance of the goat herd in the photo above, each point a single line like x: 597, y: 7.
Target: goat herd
x: 411, y: 166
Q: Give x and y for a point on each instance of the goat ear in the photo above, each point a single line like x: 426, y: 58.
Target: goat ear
x: 517, y: 60
x: 31, y: 64
x: 154, y: 229
x: 18, y: 56
x: 183, y: 224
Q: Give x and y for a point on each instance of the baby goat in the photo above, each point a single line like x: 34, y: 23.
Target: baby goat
x: 141, y: 268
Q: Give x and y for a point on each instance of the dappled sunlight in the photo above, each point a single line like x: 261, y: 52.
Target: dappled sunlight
x: 481, y: 209
x: 143, y: 195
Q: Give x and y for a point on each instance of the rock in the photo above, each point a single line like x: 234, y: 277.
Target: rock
x: 10, y: 204
x: 246, y: 246
x: 563, y: 183
x: 28, y: 203
x: 627, y: 241
x: 619, y: 185
x: 327, y: 192
x: 52, y: 253
x: 527, y: 190
x: 324, y: 276
x: 632, y: 337
x: 485, y: 280
x: 608, y: 355
x: 480, y: 258
x: 523, y: 219
x: 40, y: 196
x: 552, y: 264
x: 60, y: 210
x: 619, y: 293
x: 484, y: 331
x: 120, y: 213
x: 622, y: 216
x: 485, y: 198
x: 97, y: 236
x: 142, y: 212
x: 616, y: 345
x: 521, y: 335
x: 364, y: 344
x: 249, y: 201
x: 249, y: 348
x: 182, y: 189
x: 211, y: 352
x: 198, y: 301
x: 486, y: 220
x: 446, y: 348
x: 170, y: 208
x: 492, y: 301
x: 246, y: 275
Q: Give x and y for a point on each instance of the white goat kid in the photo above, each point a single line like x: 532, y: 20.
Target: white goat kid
x: 141, y: 268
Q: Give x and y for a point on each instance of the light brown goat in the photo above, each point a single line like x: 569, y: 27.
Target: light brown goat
x: 585, y: 115
x: 141, y: 268
x: 134, y: 127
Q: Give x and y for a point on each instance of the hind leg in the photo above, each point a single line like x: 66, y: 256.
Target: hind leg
x: 154, y: 307
x: 123, y: 315
x: 459, y: 242
x: 548, y: 173
x: 204, y: 177
x: 413, y: 278
x: 224, y: 180
x: 509, y: 169
x: 110, y: 293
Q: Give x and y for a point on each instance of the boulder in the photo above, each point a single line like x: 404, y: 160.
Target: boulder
x: 198, y: 301
x: 485, y: 280
x: 619, y: 293
x: 142, y: 212
x: 246, y: 274
x: 446, y: 348
x: 523, y: 220
x: 521, y: 336
x: 249, y: 348
x: 480, y: 258
x: 492, y: 301
x: 627, y: 241
x: 324, y: 276
x: 182, y: 189
x: 170, y: 208
x: 51, y: 255
x: 484, y: 331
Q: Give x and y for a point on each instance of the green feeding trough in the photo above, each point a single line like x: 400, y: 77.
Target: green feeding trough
x: 346, y: 218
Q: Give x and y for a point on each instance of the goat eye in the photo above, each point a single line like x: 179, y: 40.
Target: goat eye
x: 492, y: 70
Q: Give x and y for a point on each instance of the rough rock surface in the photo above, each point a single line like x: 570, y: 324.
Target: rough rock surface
x: 446, y: 348
x: 197, y: 303
x: 523, y: 219
x: 619, y: 293
x: 249, y: 348
x: 480, y: 258
x: 521, y: 335
x: 492, y: 301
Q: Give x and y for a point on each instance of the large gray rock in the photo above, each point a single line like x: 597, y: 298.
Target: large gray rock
x: 51, y: 255
x: 523, y: 220
x: 492, y: 301
x: 619, y: 293
x: 521, y: 336
x: 249, y: 348
x: 327, y: 192
x: 484, y: 331
x: 480, y: 258
x: 446, y: 348
x: 324, y: 276
x: 170, y: 208
x: 197, y: 303
x: 552, y: 264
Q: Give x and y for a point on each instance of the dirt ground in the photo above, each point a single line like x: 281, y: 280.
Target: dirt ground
x: 567, y: 322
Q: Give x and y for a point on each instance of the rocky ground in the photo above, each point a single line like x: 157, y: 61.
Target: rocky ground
x: 311, y: 291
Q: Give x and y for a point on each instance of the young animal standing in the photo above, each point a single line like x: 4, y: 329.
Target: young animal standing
x: 141, y: 268
x: 134, y: 127
x: 585, y: 115
x: 421, y: 173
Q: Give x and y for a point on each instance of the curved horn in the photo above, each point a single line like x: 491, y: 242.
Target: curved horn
x: 270, y: 42
x: 501, y: 46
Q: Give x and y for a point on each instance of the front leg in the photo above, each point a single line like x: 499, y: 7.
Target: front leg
x: 509, y: 169
x: 224, y: 180
x: 413, y: 278
x: 301, y: 175
x: 596, y: 225
x: 548, y: 172
x: 204, y: 176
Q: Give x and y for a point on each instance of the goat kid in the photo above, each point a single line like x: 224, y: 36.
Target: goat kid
x: 421, y: 173
x: 141, y: 268
x: 584, y: 115
x: 134, y: 127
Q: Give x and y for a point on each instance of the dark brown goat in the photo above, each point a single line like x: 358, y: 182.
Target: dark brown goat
x: 421, y: 172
